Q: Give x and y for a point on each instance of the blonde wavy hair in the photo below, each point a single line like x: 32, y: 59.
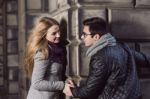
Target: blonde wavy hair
x: 37, y: 41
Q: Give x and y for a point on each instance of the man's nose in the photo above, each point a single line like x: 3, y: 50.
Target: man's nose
x: 82, y: 37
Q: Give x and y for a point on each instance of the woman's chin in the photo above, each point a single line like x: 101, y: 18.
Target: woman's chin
x: 56, y: 42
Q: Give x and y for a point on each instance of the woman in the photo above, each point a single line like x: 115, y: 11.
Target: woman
x: 45, y: 60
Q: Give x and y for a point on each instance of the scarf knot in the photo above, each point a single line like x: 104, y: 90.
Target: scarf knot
x: 56, y: 53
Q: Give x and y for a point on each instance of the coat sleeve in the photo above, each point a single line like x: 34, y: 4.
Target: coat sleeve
x: 96, y: 80
x: 141, y: 59
x: 37, y: 81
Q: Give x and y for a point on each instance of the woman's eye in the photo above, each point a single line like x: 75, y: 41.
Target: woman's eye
x: 54, y: 33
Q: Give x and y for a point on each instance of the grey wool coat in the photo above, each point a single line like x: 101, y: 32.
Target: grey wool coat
x: 46, y: 80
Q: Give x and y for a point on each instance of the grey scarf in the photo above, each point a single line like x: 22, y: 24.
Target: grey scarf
x: 105, y: 40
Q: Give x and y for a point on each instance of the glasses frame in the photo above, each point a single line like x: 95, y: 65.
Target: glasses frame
x: 85, y: 34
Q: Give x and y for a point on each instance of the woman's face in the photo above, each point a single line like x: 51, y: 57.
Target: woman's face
x: 53, y: 34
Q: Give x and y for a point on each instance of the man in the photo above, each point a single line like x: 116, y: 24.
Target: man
x: 112, y: 71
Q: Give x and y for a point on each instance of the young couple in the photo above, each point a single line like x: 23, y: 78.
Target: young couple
x: 112, y: 68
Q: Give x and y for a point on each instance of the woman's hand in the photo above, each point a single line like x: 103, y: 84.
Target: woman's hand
x: 67, y: 90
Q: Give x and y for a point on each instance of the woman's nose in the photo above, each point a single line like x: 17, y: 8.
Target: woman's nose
x: 58, y: 35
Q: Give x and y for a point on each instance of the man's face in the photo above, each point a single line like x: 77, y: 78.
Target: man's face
x: 87, y: 38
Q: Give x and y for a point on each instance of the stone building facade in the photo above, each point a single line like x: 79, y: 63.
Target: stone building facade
x: 129, y: 21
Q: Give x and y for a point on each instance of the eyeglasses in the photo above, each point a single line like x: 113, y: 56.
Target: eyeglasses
x: 85, y: 34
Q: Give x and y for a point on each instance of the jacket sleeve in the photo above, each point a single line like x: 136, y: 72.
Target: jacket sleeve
x: 96, y: 80
x: 37, y: 81
x: 141, y: 59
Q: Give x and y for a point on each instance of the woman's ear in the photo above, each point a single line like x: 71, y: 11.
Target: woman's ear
x: 96, y: 37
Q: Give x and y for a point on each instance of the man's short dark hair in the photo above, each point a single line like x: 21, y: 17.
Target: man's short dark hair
x: 96, y: 25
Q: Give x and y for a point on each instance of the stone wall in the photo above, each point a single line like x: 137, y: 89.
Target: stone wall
x: 9, y: 62
x: 128, y: 20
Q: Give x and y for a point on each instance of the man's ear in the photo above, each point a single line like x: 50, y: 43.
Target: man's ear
x: 96, y: 37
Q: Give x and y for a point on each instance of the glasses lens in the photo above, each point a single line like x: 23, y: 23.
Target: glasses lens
x: 85, y: 34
